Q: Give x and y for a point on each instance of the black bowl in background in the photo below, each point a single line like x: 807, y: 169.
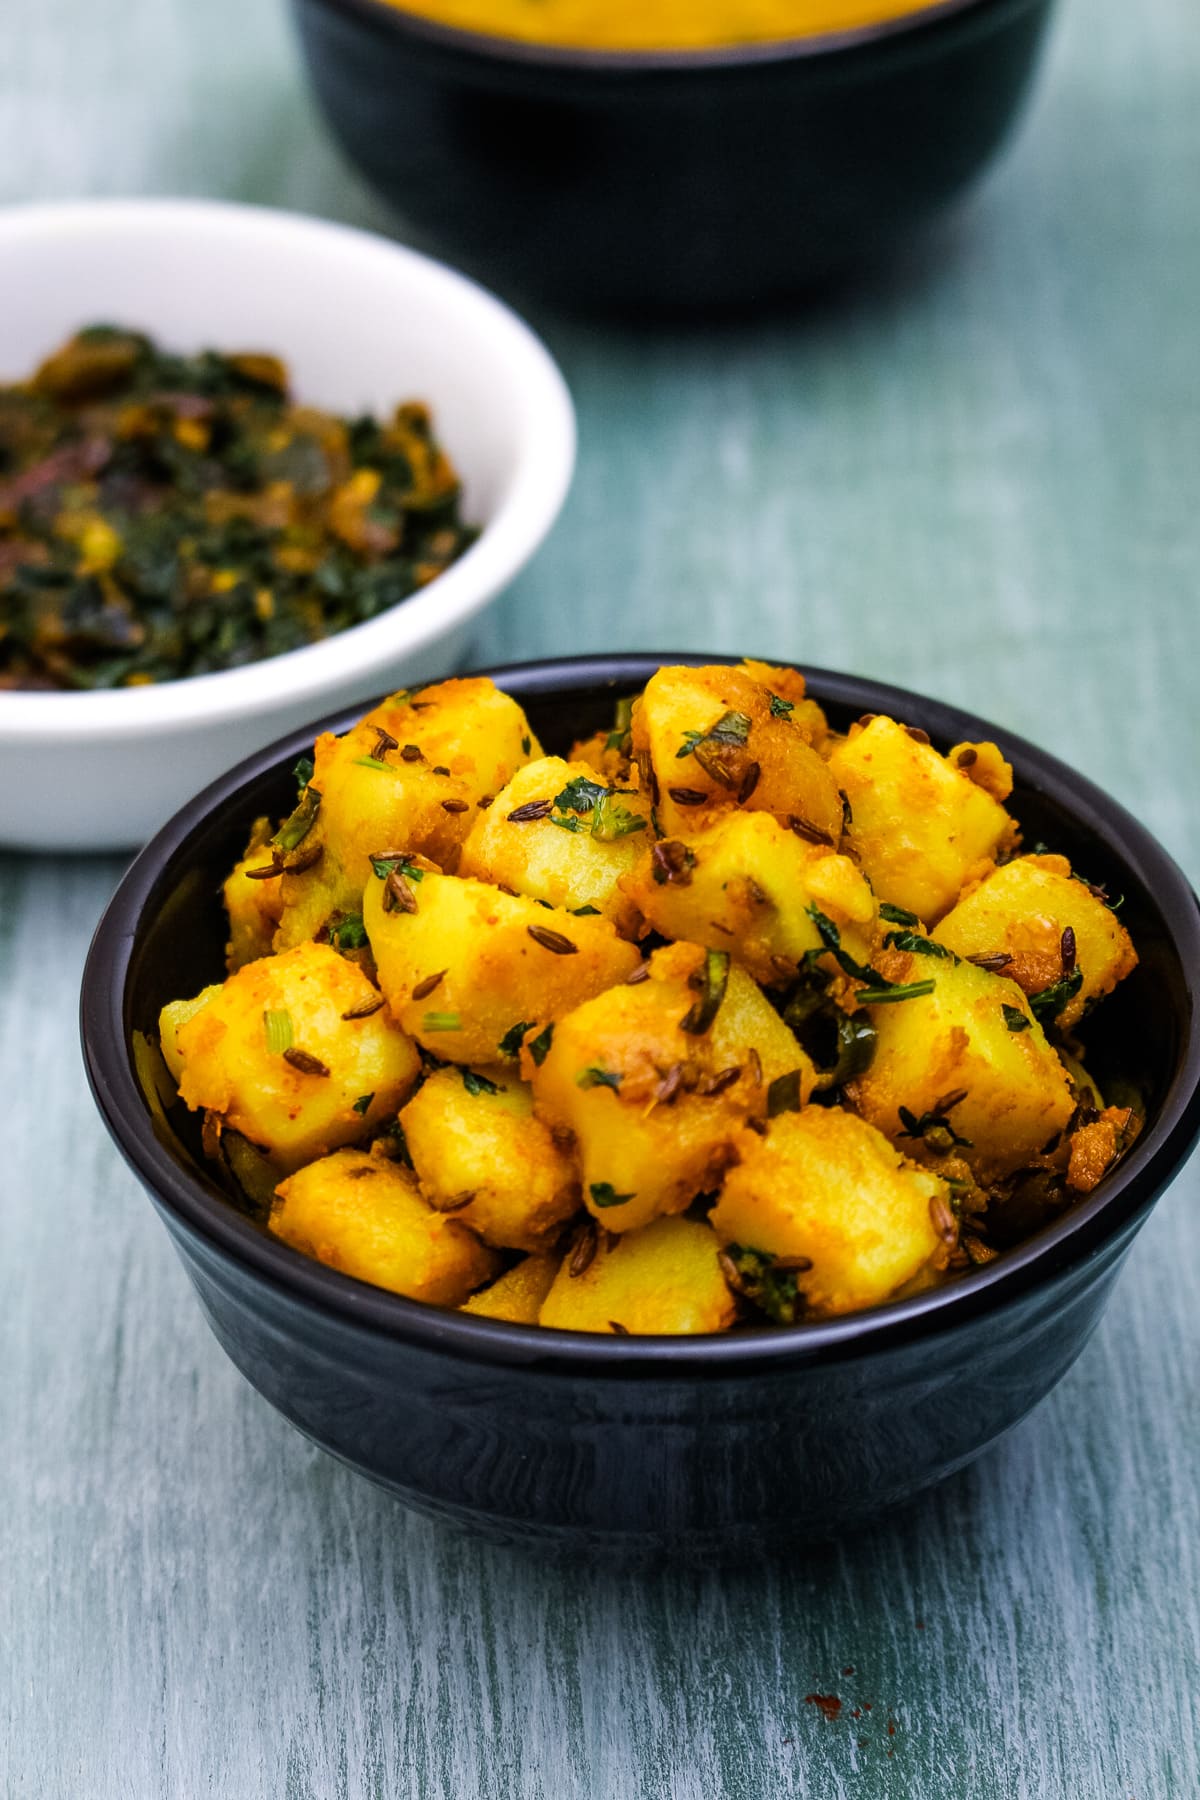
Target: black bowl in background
x: 707, y: 1447
x: 671, y: 180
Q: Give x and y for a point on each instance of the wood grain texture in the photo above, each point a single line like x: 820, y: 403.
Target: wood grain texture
x: 977, y: 476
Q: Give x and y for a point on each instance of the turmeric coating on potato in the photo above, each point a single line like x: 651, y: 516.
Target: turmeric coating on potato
x: 730, y: 1017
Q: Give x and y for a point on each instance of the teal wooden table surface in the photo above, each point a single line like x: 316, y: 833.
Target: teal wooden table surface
x: 977, y: 475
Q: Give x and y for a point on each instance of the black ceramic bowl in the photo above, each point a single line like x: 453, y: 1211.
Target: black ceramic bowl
x: 667, y: 180
x: 708, y: 1447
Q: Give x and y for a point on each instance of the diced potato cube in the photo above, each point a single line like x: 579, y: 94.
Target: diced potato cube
x: 715, y: 740
x: 825, y: 1187
x: 254, y: 905
x: 572, y: 854
x: 277, y: 1054
x: 175, y: 1014
x: 409, y: 776
x: 663, y: 1279
x: 789, y: 689
x: 1022, y: 910
x: 919, y: 826
x: 467, y: 964
x: 974, y: 1035
x: 517, y: 1296
x: 472, y: 1135
x: 365, y: 1216
x: 746, y: 884
x: 655, y: 1109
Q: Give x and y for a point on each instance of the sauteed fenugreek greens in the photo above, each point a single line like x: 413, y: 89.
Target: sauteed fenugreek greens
x: 164, y: 516
x: 727, y: 1017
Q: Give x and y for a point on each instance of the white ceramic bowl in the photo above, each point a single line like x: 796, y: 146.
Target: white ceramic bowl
x: 362, y: 324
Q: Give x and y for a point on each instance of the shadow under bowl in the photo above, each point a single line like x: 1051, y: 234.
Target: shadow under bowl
x: 639, y: 1448
x: 668, y: 181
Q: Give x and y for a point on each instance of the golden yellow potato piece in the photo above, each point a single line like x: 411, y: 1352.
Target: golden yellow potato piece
x: 253, y: 906
x: 472, y: 1136
x: 919, y: 826
x: 1022, y: 911
x: 175, y: 1014
x: 716, y: 738
x: 656, y: 1108
x: 410, y: 777
x: 517, y: 1296
x: 467, y: 964
x: 974, y: 1036
x: 746, y: 884
x: 365, y: 1216
x: 662, y: 1279
x: 824, y: 1187
x: 274, y: 1055
x: 557, y: 834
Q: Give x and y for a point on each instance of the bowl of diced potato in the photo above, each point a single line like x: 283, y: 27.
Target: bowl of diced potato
x: 667, y: 1106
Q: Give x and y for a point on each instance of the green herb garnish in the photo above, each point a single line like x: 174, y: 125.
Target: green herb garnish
x: 478, y: 1084
x: 896, y: 915
x: 604, y: 1194
x: 363, y: 1104
x: 597, y: 1077
x: 1015, y: 1019
x: 783, y: 1094
x: 580, y: 794
x: 769, y: 1282
x: 610, y: 821
x: 585, y: 912
x: 304, y: 771
x: 916, y: 944
x: 349, y: 933
x: 884, y: 996
x: 278, y: 1028
x: 514, y: 1037
x: 781, y: 708
x: 294, y: 830
x: 714, y: 980
x: 441, y: 1021
x: 539, y: 1047
x: 1047, y: 1005
x: 383, y: 866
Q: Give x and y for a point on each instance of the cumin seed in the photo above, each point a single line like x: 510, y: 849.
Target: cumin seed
x: 687, y: 796
x: 916, y: 734
x: 456, y: 806
x: 424, y: 988
x: 616, y: 1327
x: 641, y: 973
x: 749, y: 783
x: 943, y: 1220
x: 532, y: 809
x: 966, y: 757
x: 299, y: 860
x: 992, y: 961
x: 729, y: 1270
x: 1067, y: 950
x: 307, y: 1065
x: 412, y: 753
x: 583, y: 1255
x: 397, y: 894
x: 713, y: 1085
x: 553, y: 941
x: 812, y: 834
x: 365, y: 1008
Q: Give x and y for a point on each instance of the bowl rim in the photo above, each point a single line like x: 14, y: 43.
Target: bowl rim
x: 203, y: 1212
x: 537, y: 484
x: 398, y: 20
